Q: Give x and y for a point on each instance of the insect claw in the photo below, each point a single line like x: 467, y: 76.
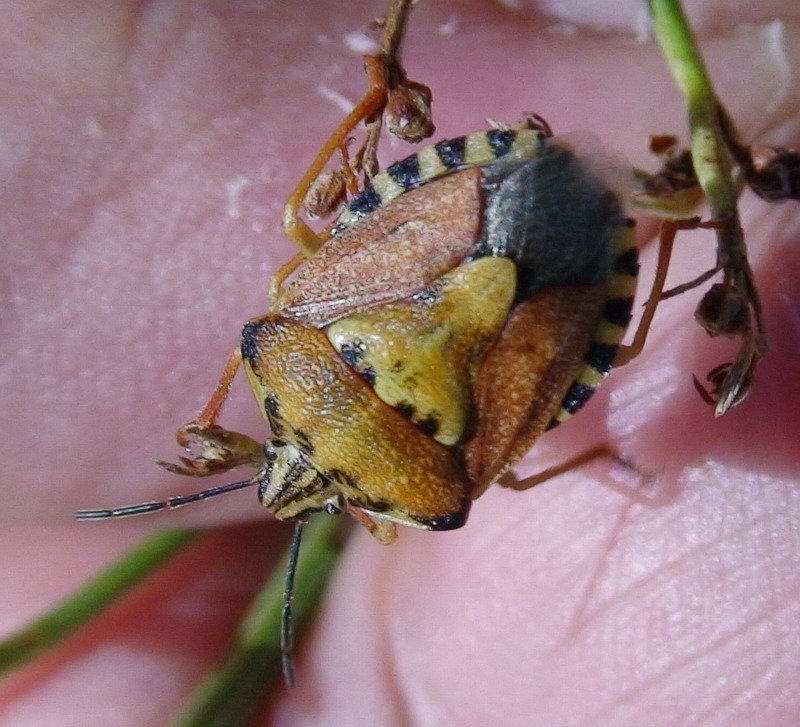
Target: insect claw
x: 217, y: 450
x: 190, y: 467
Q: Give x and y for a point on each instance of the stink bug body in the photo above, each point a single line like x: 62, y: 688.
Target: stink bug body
x: 441, y: 343
x: 471, y: 296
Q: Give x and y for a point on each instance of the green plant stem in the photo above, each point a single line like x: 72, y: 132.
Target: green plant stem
x: 709, y: 149
x: 85, y: 603
x: 232, y: 694
x: 712, y: 160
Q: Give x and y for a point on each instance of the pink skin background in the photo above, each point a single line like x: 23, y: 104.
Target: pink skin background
x: 146, y: 151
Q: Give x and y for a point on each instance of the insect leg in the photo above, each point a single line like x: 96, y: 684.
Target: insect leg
x: 210, y: 413
x: 669, y: 229
x: 283, y: 272
x: 214, y: 449
x: 295, y: 228
x: 384, y: 531
x: 603, y: 451
x: 406, y: 105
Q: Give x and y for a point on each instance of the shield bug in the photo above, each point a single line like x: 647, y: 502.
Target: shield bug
x: 471, y: 296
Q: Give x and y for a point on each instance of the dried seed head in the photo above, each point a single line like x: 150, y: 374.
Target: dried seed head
x: 724, y: 311
x: 730, y: 383
x: 774, y: 173
x: 727, y: 310
x: 661, y: 144
x: 716, y: 378
x: 677, y: 173
x: 408, y: 112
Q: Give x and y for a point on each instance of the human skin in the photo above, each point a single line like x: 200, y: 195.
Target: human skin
x: 146, y: 152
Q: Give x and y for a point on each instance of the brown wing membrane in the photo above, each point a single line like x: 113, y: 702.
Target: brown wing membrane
x: 395, y: 252
x: 525, y: 376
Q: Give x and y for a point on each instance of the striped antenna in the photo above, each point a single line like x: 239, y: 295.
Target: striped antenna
x: 287, y: 620
x: 171, y: 503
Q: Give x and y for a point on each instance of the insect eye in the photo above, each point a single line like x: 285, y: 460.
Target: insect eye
x: 334, y: 507
x: 271, y: 448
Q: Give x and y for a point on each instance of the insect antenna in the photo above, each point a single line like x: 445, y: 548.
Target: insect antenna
x: 169, y: 504
x: 287, y: 619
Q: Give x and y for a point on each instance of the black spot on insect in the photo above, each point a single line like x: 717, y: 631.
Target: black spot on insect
x: 627, y: 263
x: 343, y: 478
x: 430, y: 296
x: 355, y: 494
x: 576, y: 397
x: 270, y: 455
x: 429, y: 425
x: 352, y: 352
x: 406, y: 409
x: 618, y: 311
x: 406, y: 172
x: 451, y: 152
x: 263, y: 485
x: 303, y: 442
x: 500, y: 141
x: 365, y: 202
x: 372, y: 504
x: 273, y: 411
x: 600, y: 356
x: 249, y: 343
x: 397, y: 367
x: 446, y: 522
